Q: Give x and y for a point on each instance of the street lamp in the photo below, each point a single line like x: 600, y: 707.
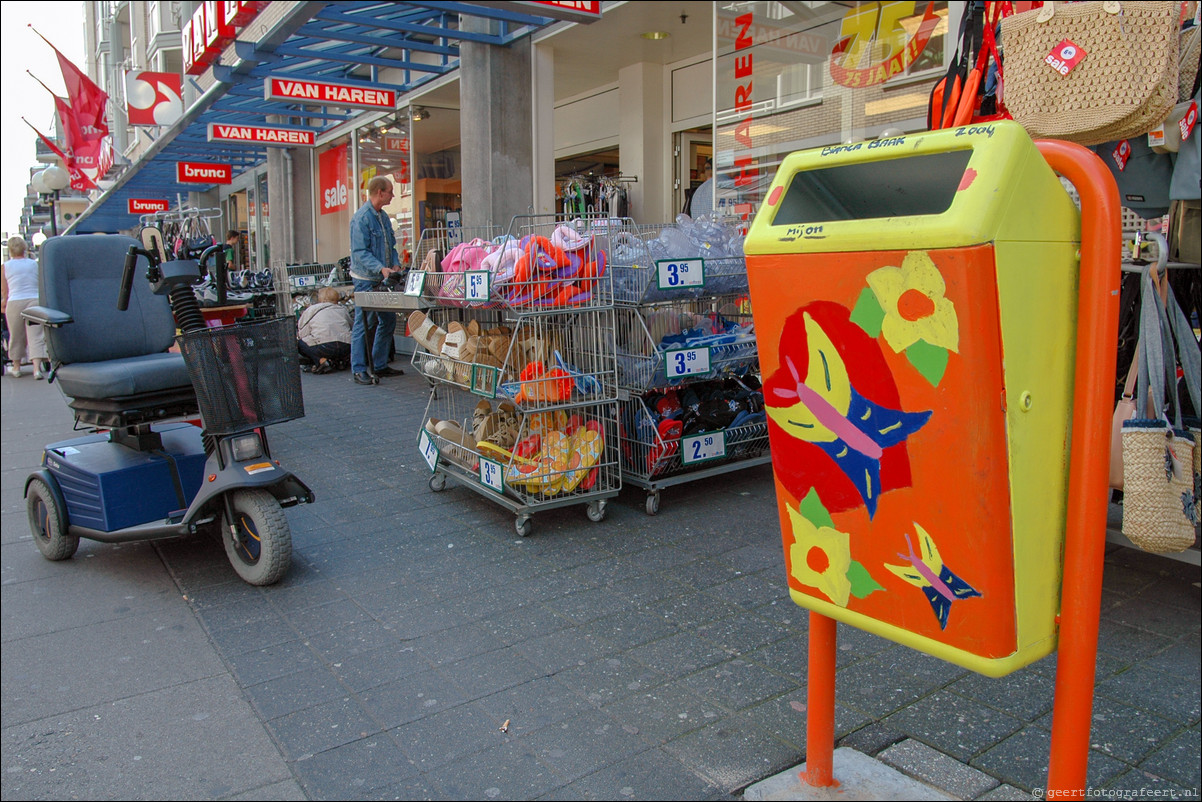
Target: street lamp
x: 56, y: 179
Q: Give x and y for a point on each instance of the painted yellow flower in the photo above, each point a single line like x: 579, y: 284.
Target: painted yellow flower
x: 915, y: 306
x: 820, y: 557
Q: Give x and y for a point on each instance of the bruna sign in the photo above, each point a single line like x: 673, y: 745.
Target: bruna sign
x: 260, y: 135
x: 203, y: 173
x: 213, y: 26
x: 147, y: 205
x: 362, y: 97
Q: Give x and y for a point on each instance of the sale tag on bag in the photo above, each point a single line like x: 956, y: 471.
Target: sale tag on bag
x: 1064, y: 57
x: 1121, y: 154
x: 1188, y: 122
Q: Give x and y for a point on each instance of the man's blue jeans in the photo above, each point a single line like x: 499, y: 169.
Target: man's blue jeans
x: 385, y: 327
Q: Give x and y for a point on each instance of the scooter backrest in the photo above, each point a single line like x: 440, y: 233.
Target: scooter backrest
x: 81, y: 275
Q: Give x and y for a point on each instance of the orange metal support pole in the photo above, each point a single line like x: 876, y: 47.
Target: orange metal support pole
x: 820, y: 704
x: 1093, y: 402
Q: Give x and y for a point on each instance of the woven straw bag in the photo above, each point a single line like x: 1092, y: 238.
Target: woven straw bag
x: 1125, y: 85
x: 1160, y: 509
x: 1190, y: 51
x: 1158, y: 486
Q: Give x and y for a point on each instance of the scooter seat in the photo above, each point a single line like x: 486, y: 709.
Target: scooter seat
x: 123, y: 378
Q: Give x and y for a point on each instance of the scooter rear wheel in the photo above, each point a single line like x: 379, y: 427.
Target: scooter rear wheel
x: 261, y: 551
x: 48, y: 523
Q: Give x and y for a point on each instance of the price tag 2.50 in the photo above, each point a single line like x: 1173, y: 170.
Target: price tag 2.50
x: 687, y: 362
x: 476, y: 287
x: 676, y: 273
x: 492, y: 475
x: 702, y: 447
x: 415, y: 282
x: 429, y: 450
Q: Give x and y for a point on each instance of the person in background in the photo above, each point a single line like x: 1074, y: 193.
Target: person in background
x: 324, y: 332
x: 373, y: 259
x: 232, y: 238
x: 19, y: 290
x: 702, y: 199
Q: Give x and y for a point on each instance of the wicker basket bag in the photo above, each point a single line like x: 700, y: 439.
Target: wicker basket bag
x: 1123, y: 86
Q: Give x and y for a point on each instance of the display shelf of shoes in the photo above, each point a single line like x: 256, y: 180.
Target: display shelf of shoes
x: 526, y: 462
x: 683, y: 317
x: 518, y: 348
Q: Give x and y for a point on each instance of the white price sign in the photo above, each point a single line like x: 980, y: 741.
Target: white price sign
x: 687, y: 362
x: 476, y: 288
x: 676, y: 273
x: 305, y: 281
x: 429, y: 450
x: 492, y: 475
x: 702, y: 447
x: 414, y: 282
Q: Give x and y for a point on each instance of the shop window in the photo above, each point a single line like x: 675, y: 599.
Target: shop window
x: 386, y: 148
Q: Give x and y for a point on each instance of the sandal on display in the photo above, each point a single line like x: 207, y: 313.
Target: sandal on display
x: 426, y: 332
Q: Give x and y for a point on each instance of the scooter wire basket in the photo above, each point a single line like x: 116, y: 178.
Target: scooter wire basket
x: 246, y: 375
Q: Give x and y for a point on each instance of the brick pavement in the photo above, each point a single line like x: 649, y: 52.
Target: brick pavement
x: 636, y: 658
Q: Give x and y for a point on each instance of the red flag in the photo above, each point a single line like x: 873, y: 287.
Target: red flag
x: 87, y: 99
x: 78, y: 179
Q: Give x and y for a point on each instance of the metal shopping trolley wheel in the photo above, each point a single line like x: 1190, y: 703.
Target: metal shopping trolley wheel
x: 653, y: 502
x: 523, y: 525
x: 596, y: 511
x: 438, y: 482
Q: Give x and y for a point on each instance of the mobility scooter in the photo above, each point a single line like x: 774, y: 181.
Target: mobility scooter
x: 148, y: 471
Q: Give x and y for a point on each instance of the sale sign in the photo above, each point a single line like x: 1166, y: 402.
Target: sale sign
x: 333, y: 172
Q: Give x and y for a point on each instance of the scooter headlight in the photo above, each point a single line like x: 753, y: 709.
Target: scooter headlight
x: 246, y: 446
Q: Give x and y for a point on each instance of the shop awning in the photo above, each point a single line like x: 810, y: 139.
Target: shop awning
x: 344, y: 42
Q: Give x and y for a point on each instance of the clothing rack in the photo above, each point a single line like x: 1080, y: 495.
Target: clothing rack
x: 594, y: 195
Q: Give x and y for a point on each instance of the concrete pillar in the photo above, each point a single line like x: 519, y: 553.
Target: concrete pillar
x: 304, y: 205
x: 642, y: 138
x: 543, y: 69
x: 496, y: 138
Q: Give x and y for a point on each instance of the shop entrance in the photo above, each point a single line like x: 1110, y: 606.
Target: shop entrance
x: 588, y: 184
x: 694, y: 149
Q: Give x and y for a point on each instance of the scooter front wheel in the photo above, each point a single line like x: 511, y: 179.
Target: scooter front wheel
x: 260, y: 544
x: 48, y: 523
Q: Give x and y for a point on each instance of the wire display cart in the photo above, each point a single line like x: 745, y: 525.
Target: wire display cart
x: 683, y: 319
x: 518, y: 345
x: 523, y: 462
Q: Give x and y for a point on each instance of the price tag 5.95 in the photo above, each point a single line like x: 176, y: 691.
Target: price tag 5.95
x: 702, y: 447
x: 476, y: 288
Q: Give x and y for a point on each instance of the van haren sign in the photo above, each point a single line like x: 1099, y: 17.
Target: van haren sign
x: 260, y: 135
x: 203, y: 173
x: 328, y: 94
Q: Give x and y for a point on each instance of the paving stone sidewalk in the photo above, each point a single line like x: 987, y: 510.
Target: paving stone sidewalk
x: 636, y: 658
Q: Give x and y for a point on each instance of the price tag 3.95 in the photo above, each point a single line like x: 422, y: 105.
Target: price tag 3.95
x: 428, y: 449
x: 702, y: 447
x: 492, y: 476
x: 676, y: 273
x: 415, y: 282
x: 687, y: 362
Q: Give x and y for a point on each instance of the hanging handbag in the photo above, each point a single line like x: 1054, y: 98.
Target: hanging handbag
x: 1142, y: 175
x: 1092, y: 72
x: 1124, y: 410
x: 1159, y: 507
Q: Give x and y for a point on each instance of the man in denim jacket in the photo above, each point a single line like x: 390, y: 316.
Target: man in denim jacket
x: 373, y: 258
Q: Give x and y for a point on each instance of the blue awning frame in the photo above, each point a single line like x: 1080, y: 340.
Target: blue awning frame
x: 323, y: 41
